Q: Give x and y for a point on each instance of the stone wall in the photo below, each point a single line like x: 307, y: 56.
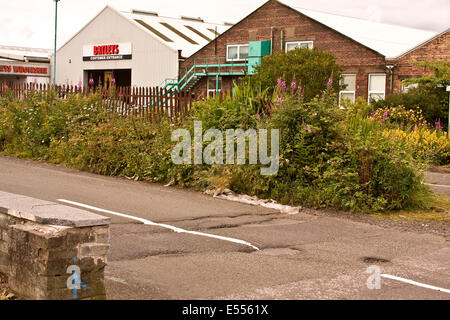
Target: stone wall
x: 42, y: 243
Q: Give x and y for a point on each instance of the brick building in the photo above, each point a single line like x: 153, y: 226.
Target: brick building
x: 362, y: 48
x: 434, y: 49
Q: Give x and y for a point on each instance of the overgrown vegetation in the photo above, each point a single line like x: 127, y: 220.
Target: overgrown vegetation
x: 429, y: 95
x: 329, y: 157
x: 353, y: 158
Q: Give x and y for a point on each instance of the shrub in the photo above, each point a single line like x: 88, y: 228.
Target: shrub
x: 309, y: 68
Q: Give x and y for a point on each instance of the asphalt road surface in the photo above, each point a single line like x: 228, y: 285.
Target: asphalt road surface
x: 303, y: 256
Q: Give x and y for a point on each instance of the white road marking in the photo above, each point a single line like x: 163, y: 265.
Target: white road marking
x: 116, y: 280
x: 415, y: 283
x: 148, y: 222
x: 437, y: 185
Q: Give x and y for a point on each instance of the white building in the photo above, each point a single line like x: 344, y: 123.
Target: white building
x: 136, y: 48
x: 24, y: 65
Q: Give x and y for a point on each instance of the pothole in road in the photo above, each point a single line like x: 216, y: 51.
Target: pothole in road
x: 374, y: 260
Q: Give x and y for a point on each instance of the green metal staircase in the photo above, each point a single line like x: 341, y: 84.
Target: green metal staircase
x: 206, y: 67
x: 219, y: 66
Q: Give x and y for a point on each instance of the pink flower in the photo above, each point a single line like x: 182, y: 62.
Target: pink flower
x: 293, y: 85
x: 438, y: 125
x: 91, y: 81
x: 279, y: 100
x: 113, y: 80
x: 21, y: 97
x: 5, y: 86
x: 304, y: 126
x: 57, y: 99
x: 279, y: 82
x: 330, y: 82
x: 25, y: 105
x: 416, y: 128
x: 385, y: 114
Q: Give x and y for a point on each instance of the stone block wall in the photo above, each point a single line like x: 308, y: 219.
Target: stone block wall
x: 37, y: 256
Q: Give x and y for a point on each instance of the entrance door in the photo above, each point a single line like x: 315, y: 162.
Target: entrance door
x: 108, y: 77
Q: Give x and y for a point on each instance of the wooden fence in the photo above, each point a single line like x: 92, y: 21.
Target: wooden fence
x: 144, y: 102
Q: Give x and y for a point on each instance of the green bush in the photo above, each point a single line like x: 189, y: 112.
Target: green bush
x: 309, y: 68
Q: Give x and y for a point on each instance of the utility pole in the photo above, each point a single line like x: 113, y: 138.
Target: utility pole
x: 54, y: 52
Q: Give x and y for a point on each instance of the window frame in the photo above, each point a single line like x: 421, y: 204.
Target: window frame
x: 369, y: 92
x: 238, y: 52
x: 299, y: 42
x: 348, y: 91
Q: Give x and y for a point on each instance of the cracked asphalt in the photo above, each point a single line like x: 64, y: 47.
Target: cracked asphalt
x: 305, y: 256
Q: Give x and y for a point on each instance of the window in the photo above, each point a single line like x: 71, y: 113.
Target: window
x: 377, y: 86
x: 212, y: 83
x: 299, y: 44
x: 406, y: 88
x: 348, y: 93
x: 237, y: 52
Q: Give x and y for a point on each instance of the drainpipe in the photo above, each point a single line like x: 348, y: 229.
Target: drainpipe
x: 282, y: 40
x: 272, y: 30
x: 391, y: 75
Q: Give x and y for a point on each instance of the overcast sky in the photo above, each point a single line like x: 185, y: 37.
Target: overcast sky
x: 30, y: 23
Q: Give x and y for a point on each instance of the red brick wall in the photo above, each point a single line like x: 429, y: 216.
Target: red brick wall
x: 352, y: 56
x: 436, y: 49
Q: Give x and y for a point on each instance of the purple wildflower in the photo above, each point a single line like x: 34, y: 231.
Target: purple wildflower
x: 439, y: 125
x: 279, y: 82
x: 385, y: 114
x: 373, y: 114
x: 293, y: 85
x: 304, y: 126
x: 330, y: 81
x: 5, y: 86
x: 113, y: 80
x: 21, y: 97
x: 279, y: 100
x: 25, y: 105
x: 56, y: 98
x: 91, y: 81
x: 283, y: 85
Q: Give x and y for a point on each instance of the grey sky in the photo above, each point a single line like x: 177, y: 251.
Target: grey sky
x: 30, y: 23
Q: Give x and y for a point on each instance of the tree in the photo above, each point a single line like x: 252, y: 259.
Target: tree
x: 311, y: 69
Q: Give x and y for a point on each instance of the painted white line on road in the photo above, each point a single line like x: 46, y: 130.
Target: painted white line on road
x: 415, y: 283
x: 436, y: 185
x: 151, y: 223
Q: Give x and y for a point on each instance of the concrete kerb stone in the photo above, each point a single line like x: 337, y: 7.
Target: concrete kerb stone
x: 48, y: 213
